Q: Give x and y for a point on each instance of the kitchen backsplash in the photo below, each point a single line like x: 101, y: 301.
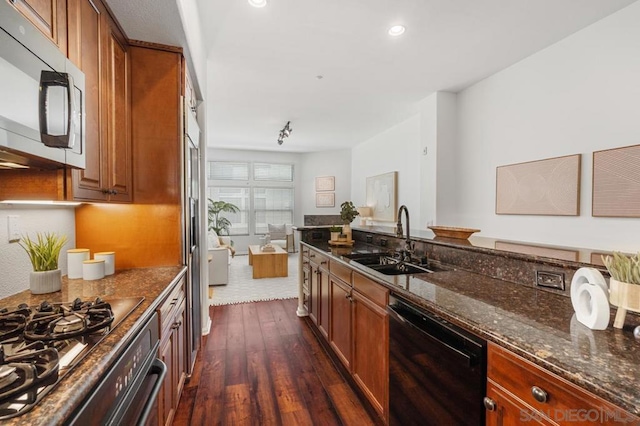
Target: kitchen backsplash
x: 14, y: 262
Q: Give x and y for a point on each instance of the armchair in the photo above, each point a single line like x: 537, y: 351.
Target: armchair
x: 219, y: 252
x: 282, y: 236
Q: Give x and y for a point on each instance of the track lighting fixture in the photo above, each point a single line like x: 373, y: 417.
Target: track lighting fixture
x: 284, y: 133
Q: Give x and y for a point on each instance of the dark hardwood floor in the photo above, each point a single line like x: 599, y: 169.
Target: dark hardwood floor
x: 262, y: 365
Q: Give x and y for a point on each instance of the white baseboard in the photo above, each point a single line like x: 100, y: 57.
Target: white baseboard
x: 207, y: 328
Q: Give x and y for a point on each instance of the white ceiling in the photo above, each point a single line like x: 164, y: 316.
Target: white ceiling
x: 263, y: 63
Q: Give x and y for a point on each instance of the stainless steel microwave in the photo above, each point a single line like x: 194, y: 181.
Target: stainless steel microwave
x: 41, y: 99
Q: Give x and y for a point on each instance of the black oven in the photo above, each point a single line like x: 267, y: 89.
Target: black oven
x: 127, y: 393
x: 42, y: 104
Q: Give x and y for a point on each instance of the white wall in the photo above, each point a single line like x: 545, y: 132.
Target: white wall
x: 324, y: 163
x: 14, y: 262
x: 577, y: 96
x: 396, y: 149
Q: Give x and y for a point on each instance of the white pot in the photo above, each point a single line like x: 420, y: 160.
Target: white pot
x: 42, y: 282
x: 334, y: 236
x: 346, y: 229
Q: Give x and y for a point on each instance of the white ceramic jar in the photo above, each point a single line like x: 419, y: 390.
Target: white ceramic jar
x: 75, y: 257
x: 109, y: 258
x: 92, y: 270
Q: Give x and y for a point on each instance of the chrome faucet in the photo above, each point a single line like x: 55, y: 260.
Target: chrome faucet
x: 408, y: 249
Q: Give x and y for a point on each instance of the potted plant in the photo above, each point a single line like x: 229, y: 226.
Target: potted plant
x: 217, y: 222
x: 624, y: 285
x: 44, y: 252
x: 348, y: 212
x: 335, y: 232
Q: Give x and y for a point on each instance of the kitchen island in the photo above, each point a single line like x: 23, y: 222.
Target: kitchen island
x: 537, y: 325
x: 154, y: 284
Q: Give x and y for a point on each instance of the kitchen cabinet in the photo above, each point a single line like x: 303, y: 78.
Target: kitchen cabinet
x: 370, y: 328
x: 519, y: 391
x: 319, y: 269
x: 49, y: 16
x: 340, y: 312
x: 100, y: 50
x: 172, y: 351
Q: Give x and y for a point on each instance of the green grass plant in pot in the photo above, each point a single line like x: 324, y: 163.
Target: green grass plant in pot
x: 348, y: 212
x: 335, y: 231
x: 624, y: 285
x: 44, y: 252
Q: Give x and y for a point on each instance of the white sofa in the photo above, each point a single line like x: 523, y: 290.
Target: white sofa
x: 282, y: 236
x: 219, y: 256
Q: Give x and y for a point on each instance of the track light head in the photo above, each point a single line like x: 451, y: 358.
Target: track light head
x: 284, y: 133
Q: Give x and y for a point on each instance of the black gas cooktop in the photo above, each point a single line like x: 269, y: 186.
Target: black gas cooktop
x: 40, y: 344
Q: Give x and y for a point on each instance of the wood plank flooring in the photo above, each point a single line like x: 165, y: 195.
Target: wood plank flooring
x: 262, y: 365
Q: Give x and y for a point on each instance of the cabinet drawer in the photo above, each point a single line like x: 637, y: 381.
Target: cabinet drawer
x: 169, y: 307
x: 319, y: 259
x: 525, y: 380
x: 340, y: 271
x: 305, y: 252
x: 372, y: 290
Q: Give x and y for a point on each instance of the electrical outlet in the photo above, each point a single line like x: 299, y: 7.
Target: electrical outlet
x: 383, y: 242
x: 550, y: 279
x: 369, y: 238
x: 13, y: 228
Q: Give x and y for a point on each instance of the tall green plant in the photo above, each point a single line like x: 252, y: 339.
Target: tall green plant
x: 44, y: 251
x: 217, y: 221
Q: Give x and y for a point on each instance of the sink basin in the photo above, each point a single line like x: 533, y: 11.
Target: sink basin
x: 388, y: 265
x: 400, y: 269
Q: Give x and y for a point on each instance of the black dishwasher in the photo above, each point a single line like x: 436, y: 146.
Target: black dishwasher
x: 437, y: 371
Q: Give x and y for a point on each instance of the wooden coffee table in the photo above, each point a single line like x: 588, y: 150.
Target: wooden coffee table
x: 269, y: 264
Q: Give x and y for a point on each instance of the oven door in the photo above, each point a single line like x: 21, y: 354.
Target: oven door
x: 128, y: 391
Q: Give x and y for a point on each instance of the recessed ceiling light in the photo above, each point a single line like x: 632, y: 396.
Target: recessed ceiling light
x: 396, y: 30
x: 258, y: 3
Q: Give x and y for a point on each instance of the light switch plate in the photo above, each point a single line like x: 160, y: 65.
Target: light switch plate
x: 13, y: 228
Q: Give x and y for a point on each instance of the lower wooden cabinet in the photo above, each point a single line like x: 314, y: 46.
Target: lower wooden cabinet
x: 520, y: 392
x: 340, y: 336
x: 370, y: 365
x: 172, y: 351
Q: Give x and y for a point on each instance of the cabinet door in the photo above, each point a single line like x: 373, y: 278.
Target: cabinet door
x: 314, y: 289
x: 340, y: 322
x: 49, y: 16
x: 370, y: 364
x: 180, y: 350
x: 165, y: 397
x: 509, y: 411
x: 118, y: 130
x: 323, y: 320
x: 86, y: 22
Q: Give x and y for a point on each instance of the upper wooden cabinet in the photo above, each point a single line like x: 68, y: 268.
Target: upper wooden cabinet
x: 49, y: 16
x: 100, y: 50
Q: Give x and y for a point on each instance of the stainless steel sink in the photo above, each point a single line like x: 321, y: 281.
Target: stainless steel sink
x: 388, y: 265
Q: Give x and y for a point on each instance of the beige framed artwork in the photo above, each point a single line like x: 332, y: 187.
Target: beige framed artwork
x: 382, y: 196
x: 325, y: 199
x: 545, y: 187
x: 616, y: 182
x: 325, y: 183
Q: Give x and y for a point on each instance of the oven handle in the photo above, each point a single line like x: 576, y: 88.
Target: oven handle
x: 160, y: 369
x: 468, y: 359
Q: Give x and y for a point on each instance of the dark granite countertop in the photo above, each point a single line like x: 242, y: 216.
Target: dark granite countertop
x: 538, y: 325
x: 151, y: 283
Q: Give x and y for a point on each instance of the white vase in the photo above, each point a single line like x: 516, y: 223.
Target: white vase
x: 626, y: 297
x: 42, y: 282
x: 334, y: 236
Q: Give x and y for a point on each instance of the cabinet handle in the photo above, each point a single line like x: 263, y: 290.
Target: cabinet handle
x: 489, y: 404
x: 114, y: 192
x: 539, y: 394
x: 105, y: 191
x: 312, y: 255
x: 176, y: 324
x: 323, y: 262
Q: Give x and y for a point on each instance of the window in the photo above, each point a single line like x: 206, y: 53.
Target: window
x: 265, y: 197
x: 238, y: 197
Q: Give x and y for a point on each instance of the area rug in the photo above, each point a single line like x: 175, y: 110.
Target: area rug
x: 242, y: 288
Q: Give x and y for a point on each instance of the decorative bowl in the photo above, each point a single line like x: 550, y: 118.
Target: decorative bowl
x: 452, y: 232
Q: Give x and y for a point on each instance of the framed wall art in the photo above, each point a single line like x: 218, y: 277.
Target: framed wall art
x: 544, y: 187
x: 382, y: 196
x: 325, y: 199
x: 616, y: 182
x: 325, y: 183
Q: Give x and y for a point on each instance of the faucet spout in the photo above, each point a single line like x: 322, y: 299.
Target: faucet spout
x: 399, y: 232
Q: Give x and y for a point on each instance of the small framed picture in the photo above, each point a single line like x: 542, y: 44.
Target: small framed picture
x: 325, y: 183
x: 325, y: 199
